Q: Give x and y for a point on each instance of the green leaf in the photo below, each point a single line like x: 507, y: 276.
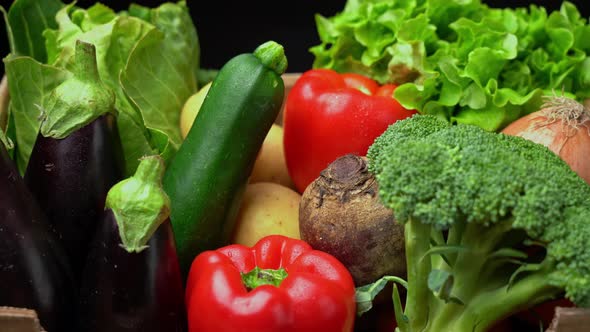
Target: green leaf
x: 508, y: 253
x: 522, y: 269
x: 455, y: 300
x: 401, y: 319
x: 156, y: 79
x: 135, y: 138
x: 62, y: 41
x: 160, y: 142
x: 126, y: 33
x: 484, y: 64
x: 441, y: 282
x: 444, y: 249
x: 27, y: 19
x: 474, y: 97
x: 174, y: 19
x: 142, y: 12
x: 30, y: 84
x: 135, y: 141
x: 366, y: 294
x: 97, y: 15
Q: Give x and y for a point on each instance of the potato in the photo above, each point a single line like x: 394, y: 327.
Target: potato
x: 191, y: 108
x: 267, y: 208
x: 270, y: 164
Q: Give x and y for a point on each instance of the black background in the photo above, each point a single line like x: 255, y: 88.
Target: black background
x: 227, y: 28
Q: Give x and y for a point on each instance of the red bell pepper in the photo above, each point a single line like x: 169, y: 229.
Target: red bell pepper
x: 280, y: 284
x: 328, y: 115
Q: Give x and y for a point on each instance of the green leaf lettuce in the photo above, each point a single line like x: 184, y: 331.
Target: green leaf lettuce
x: 460, y: 59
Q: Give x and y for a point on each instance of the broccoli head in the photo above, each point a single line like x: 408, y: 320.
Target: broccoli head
x: 494, y: 223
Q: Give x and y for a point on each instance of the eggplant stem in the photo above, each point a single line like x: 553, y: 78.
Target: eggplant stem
x: 86, y: 68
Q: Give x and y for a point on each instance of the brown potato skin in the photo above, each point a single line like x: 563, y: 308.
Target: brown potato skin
x: 340, y: 213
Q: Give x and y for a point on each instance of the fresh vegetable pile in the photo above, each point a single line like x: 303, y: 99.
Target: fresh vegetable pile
x: 437, y: 151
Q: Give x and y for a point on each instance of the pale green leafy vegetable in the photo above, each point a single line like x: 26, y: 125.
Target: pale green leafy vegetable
x: 461, y: 59
x: 149, y: 57
x: 115, y: 40
x: 27, y: 19
x: 159, y: 99
x: 75, y: 23
x: 31, y: 83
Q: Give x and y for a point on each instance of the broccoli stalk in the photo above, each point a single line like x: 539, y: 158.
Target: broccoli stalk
x: 480, y: 281
x: 494, y: 224
x: 417, y: 237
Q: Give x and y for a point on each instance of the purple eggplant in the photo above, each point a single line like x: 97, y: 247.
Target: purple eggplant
x: 77, y: 156
x: 34, y: 270
x: 132, y: 280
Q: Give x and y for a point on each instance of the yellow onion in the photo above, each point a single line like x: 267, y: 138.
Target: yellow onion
x: 563, y: 125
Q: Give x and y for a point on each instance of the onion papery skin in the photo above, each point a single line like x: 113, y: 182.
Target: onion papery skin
x: 570, y: 142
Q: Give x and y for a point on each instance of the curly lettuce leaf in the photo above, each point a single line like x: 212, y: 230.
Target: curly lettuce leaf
x: 94, y: 25
x: 460, y: 60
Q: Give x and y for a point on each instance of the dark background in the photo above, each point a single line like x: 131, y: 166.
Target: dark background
x: 227, y: 28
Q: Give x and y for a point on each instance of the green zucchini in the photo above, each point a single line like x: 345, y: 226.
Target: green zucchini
x: 206, y: 178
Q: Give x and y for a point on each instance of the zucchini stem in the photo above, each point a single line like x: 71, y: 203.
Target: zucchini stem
x: 272, y: 56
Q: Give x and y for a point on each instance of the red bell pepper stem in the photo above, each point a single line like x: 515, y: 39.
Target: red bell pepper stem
x: 258, y: 277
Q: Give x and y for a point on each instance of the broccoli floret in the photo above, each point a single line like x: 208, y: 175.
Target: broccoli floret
x: 504, y: 221
x: 420, y: 126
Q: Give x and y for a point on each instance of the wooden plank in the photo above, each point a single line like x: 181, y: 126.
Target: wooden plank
x: 570, y: 320
x: 19, y: 320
